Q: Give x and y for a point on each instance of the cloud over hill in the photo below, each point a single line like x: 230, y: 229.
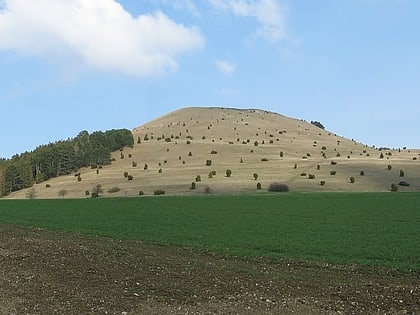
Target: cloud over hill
x: 97, y: 34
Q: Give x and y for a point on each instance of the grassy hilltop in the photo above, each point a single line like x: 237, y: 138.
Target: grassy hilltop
x: 256, y: 146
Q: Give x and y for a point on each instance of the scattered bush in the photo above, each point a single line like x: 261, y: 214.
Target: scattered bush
x: 264, y: 160
x: 228, y: 173
x: 130, y: 177
x: 87, y: 193
x: 141, y: 193
x: 256, y: 143
x: 281, y: 154
x: 160, y: 171
x: 114, y: 189
x: 62, y: 193
x: 208, y: 162
x: 403, y: 183
x: 333, y: 163
x: 213, y: 152
x: 318, y: 167
x: 158, y: 192
x: 192, y: 185
x: 311, y: 176
x: 362, y: 173
x: 134, y: 164
x: 278, y: 187
x: 255, y: 176
x: 302, y: 174
x: 402, y: 173
x: 125, y: 174
x: 47, y: 186
x: 352, y: 179
x: 389, y: 167
x: 79, y: 178
x: 122, y: 155
x: 333, y: 172
x: 207, y: 190
x: 145, y: 167
x: 130, y: 155
x: 381, y: 156
x: 198, y: 178
x: 394, y: 187
x: 258, y: 186
x: 322, y: 182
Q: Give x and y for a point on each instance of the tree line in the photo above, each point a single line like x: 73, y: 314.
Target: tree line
x: 61, y: 158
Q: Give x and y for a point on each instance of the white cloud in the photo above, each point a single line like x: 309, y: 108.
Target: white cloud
x: 269, y: 13
x: 98, y: 33
x: 225, y: 67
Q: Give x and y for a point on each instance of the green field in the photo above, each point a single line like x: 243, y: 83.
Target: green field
x: 364, y: 228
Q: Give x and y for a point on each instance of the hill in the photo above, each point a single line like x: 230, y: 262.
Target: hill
x: 169, y: 153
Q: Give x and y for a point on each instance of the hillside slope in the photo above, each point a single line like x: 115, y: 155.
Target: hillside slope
x: 277, y: 148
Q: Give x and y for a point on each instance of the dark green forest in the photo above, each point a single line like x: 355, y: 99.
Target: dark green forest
x: 61, y: 158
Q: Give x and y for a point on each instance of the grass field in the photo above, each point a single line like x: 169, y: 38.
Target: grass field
x: 379, y: 229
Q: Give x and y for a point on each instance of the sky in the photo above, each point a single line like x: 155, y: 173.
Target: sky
x: 68, y: 66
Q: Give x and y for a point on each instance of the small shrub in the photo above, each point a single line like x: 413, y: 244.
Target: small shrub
x: 264, y: 160
x: 125, y: 174
x: 198, y: 178
x: 258, y: 186
x: 87, y: 193
x: 333, y: 172
x: 145, y: 167
x: 381, y: 156
x: 62, y: 193
x: 207, y: 190
x: 281, y: 154
x: 192, y: 185
x: 114, y: 189
x: 278, y: 187
x: 318, y: 167
x: 389, y: 167
x: 322, y: 182
x: 311, y: 176
x: 122, y: 155
x: 130, y: 177
x: 79, y: 178
x: 190, y: 153
x: 94, y: 195
x: 352, y: 179
x: 208, y: 162
x: 158, y: 192
x: 130, y: 155
x: 141, y: 193
x: 394, y: 187
x: 333, y: 163
x: 228, y: 173
x: 302, y: 174
x: 213, y: 152
x: 47, y: 186
x: 255, y: 176
x: 256, y: 143
x: 134, y: 164
x: 402, y: 173
x: 362, y: 173
x: 295, y: 167
x: 403, y: 183
x: 160, y: 171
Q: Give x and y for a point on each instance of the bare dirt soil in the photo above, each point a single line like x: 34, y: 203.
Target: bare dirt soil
x: 44, y: 272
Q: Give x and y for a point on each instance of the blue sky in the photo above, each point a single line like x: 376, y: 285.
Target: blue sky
x: 68, y: 66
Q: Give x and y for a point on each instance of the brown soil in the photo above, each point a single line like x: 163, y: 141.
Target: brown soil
x: 47, y: 272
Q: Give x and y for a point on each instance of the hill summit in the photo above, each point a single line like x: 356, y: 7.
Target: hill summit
x: 225, y: 150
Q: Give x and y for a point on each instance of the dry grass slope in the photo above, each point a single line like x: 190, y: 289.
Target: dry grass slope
x: 175, y: 149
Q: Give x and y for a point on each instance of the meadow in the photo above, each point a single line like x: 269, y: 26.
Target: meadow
x: 374, y: 229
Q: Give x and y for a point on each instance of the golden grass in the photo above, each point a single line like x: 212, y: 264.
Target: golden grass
x: 232, y: 134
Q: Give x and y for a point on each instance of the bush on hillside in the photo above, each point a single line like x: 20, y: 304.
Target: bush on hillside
x: 158, y: 192
x: 394, y: 187
x: 278, y: 187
